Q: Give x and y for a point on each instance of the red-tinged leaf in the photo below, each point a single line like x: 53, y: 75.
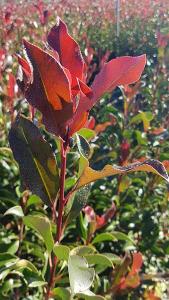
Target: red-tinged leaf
x: 119, y: 71
x: 81, y: 87
x: 137, y: 263
x: 76, y: 126
x: 53, y: 77
x: 150, y: 295
x: 85, y: 89
x: 132, y: 281
x: 49, y: 94
x: 102, y: 127
x: 11, y: 86
x: 68, y: 50
x: 157, y: 131
x: 90, y: 214
x: 91, y: 123
x: 25, y: 66
x: 2, y: 56
x: 166, y: 164
x: 109, y: 214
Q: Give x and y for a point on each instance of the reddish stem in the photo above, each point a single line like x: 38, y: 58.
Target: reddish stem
x: 60, y: 213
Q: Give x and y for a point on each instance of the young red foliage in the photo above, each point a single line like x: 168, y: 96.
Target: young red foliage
x: 68, y: 50
x: 56, y: 85
x: 132, y: 280
x: 11, y: 86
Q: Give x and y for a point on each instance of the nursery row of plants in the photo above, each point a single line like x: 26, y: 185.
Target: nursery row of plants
x: 84, y: 150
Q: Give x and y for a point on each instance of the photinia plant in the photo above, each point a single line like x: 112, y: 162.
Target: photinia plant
x: 53, y: 82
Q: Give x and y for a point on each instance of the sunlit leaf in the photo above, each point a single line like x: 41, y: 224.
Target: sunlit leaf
x: 149, y: 165
x: 80, y: 275
x: 77, y: 201
x: 83, y: 146
x: 50, y: 94
x: 145, y: 117
x: 37, y: 284
x: 61, y: 251
x: 61, y: 293
x: 98, y: 259
x: 15, y: 210
x: 103, y: 237
x: 60, y: 40
x: 6, y: 258
x: 43, y: 227
x: 118, y: 71
x: 82, y: 250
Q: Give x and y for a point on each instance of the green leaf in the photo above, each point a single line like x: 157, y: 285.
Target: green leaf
x: 37, y: 284
x: 87, y: 133
x: 61, y: 251
x: 70, y: 182
x: 77, y: 201
x: 6, y: 258
x: 103, y: 237
x: 33, y: 200
x: 80, y: 275
x: 90, y: 297
x: 15, y: 210
x: 122, y: 236
x: 61, y: 293
x: 35, y: 158
x: 23, y: 263
x: 83, y: 163
x: 145, y: 117
x: 43, y: 227
x: 98, y: 259
x: 82, y: 250
x: 83, y: 146
x: 115, y: 259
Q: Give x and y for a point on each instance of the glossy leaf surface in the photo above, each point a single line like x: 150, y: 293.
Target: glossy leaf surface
x: 42, y: 226
x: 35, y: 158
x: 80, y: 275
x: 150, y: 165
x: 60, y: 40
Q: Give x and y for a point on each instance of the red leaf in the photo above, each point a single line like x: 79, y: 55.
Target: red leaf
x: 49, y: 90
x: 90, y: 214
x: 25, y: 66
x: 11, y: 86
x: 150, y: 295
x: 91, y: 123
x: 53, y: 77
x: 68, y: 50
x: 132, y: 280
x: 119, y: 71
x: 137, y: 263
x: 79, y: 123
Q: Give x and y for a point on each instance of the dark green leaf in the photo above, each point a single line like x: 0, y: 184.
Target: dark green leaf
x: 35, y: 158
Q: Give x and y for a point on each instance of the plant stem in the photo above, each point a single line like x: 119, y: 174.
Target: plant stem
x: 60, y: 213
x: 62, y: 196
